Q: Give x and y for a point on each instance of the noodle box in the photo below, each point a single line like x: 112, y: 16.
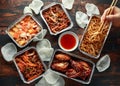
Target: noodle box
x: 94, y: 37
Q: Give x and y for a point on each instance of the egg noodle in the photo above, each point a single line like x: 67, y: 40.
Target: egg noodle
x: 93, y: 39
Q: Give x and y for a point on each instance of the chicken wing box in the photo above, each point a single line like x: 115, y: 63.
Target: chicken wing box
x: 72, y: 66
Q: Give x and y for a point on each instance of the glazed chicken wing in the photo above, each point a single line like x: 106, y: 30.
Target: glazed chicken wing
x: 62, y: 57
x: 72, y: 73
x: 60, y: 66
x: 76, y: 65
x: 82, y: 68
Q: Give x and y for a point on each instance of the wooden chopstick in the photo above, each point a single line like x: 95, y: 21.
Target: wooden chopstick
x: 114, y: 2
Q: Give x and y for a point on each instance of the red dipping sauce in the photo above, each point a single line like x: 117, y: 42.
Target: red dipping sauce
x: 68, y: 41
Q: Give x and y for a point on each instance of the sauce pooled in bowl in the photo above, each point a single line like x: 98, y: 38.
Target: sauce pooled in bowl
x: 68, y: 41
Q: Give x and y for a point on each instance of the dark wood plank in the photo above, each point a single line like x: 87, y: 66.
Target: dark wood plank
x: 10, y: 10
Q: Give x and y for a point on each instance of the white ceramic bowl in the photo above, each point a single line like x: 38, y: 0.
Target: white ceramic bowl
x: 68, y: 41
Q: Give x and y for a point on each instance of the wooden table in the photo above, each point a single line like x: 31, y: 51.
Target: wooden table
x: 10, y: 10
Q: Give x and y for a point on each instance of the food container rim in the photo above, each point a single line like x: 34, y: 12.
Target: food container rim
x: 78, y: 57
x: 63, y: 8
x: 21, y: 75
x: 17, y: 21
x: 95, y: 57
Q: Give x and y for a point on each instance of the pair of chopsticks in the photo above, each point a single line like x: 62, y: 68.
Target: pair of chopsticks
x: 114, y: 2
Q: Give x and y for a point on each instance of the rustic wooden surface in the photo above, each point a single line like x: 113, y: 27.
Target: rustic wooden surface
x: 10, y: 10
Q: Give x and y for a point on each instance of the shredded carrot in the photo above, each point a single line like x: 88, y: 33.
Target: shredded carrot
x: 33, y: 77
